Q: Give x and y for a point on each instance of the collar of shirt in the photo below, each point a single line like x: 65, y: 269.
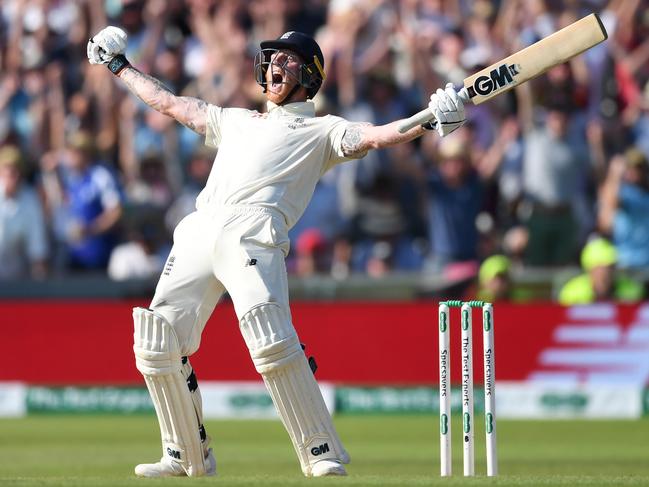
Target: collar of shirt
x: 299, y: 108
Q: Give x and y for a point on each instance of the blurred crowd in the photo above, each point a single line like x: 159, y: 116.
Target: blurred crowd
x: 93, y: 180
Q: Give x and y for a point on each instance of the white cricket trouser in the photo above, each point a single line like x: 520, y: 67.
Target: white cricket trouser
x: 238, y: 248
x: 242, y: 250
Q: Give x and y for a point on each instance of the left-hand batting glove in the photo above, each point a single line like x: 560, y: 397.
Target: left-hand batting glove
x: 448, y: 110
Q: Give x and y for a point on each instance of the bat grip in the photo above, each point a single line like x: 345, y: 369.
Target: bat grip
x: 425, y: 115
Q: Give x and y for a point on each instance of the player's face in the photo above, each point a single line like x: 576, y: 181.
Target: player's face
x: 282, y: 75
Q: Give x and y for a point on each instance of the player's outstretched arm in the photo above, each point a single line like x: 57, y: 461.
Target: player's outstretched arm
x: 107, y: 47
x: 191, y: 112
x: 447, y: 115
x: 363, y: 136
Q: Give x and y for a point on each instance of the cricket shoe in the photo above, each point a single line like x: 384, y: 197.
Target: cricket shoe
x: 168, y: 468
x: 325, y: 468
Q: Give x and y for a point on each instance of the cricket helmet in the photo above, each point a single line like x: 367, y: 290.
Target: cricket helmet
x: 311, y: 73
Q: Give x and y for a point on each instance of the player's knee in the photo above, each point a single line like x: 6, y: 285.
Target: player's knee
x: 183, y: 321
x: 270, y: 337
x: 155, y: 343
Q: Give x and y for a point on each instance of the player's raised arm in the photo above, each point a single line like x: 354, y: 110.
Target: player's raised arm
x: 447, y: 115
x: 107, y: 47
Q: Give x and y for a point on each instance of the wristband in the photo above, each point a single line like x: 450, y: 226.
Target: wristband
x: 430, y: 125
x: 117, y: 64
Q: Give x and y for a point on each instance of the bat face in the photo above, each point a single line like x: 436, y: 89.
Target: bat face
x: 535, y: 60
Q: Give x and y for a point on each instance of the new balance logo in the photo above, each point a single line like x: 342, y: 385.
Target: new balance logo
x: 173, y: 453
x: 319, y: 450
x: 250, y: 262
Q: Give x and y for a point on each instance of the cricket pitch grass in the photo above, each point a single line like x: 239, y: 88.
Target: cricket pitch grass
x: 386, y: 450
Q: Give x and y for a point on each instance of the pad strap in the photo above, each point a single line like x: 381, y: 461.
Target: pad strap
x: 192, y: 385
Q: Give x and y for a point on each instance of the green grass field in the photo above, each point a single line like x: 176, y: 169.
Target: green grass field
x: 386, y: 451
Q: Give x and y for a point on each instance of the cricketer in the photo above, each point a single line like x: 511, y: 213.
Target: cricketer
x: 262, y: 179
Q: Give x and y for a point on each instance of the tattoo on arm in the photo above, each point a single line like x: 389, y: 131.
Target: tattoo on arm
x: 354, y: 141
x: 191, y: 112
x: 148, y: 89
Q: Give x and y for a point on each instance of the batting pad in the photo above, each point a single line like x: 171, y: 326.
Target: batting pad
x: 278, y: 357
x: 157, y: 356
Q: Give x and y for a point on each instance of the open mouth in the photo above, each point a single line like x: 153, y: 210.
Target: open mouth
x: 277, y: 80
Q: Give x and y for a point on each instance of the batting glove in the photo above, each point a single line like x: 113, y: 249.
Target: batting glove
x: 448, y: 110
x: 107, y: 44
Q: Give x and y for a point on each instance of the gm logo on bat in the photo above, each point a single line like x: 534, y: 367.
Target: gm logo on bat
x: 498, y: 78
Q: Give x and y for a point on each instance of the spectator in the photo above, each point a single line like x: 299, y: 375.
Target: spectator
x: 86, y: 204
x: 552, y: 168
x: 23, y: 243
x: 455, y: 199
x: 139, y: 257
x: 198, y: 170
x: 379, y: 230
x: 599, y: 282
x: 504, y: 160
x: 312, y: 253
x: 494, y: 279
x: 447, y: 64
x: 624, y: 208
x: 151, y: 188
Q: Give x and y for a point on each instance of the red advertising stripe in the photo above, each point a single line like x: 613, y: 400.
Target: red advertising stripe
x: 89, y: 342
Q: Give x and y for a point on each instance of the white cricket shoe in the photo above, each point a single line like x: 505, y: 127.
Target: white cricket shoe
x: 325, y: 468
x: 169, y: 468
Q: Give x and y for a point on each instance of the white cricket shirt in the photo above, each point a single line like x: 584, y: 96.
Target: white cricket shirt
x: 271, y: 160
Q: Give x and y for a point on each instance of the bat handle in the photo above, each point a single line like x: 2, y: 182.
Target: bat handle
x: 425, y: 115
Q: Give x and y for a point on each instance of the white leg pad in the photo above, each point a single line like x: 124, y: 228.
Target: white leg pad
x: 158, y: 358
x: 278, y: 357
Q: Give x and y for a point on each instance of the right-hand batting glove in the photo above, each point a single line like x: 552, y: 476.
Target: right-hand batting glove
x: 448, y: 110
x: 107, y: 47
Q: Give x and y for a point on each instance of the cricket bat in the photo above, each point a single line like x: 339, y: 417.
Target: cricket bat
x: 524, y: 65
